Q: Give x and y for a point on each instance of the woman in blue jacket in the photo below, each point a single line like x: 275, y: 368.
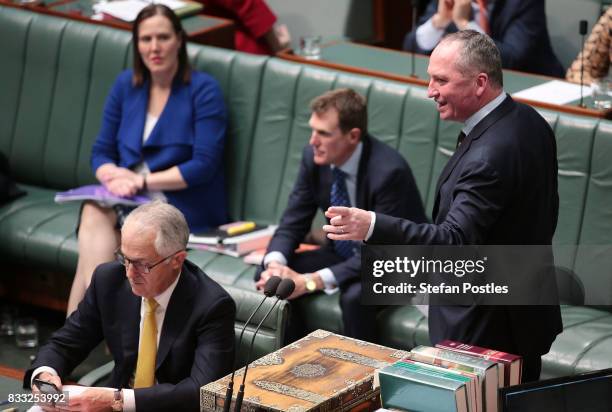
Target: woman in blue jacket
x: 163, y: 133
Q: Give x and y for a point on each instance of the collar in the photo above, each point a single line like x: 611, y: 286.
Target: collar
x: 351, y: 166
x: 163, y: 298
x: 474, y: 119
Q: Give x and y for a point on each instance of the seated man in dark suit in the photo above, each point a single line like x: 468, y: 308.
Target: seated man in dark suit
x: 168, y: 326
x: 518, y: 28
x: 342, y: 165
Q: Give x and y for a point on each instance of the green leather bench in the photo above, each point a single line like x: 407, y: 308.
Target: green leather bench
x: 56, y: 74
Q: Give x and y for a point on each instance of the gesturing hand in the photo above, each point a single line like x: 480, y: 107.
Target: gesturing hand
x: 347, y: 223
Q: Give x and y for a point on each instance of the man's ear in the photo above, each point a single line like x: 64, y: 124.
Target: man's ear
x: 482, y: 81
x: 355, y: 135
x: 179, y: 258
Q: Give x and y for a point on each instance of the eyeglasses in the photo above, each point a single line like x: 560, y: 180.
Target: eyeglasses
x: 139, y: 266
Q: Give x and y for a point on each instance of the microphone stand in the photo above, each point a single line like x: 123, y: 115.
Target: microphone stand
x: 415, y: 10
x: 583, y: 30
x: 270, y: 289
x: 240, y: 394
x: 284, y: 290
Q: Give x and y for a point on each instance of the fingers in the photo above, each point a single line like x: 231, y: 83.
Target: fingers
x: 337, y: 232
x: 335, y: 211
x: 123, y: 187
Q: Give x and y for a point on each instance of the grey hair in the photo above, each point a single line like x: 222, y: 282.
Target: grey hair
x: 479, y: 53
x: 172, y: 231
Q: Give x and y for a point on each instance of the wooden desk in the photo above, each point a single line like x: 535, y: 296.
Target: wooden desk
x: 396, y: 65
x: 200, y: 28
x: 11, y: 383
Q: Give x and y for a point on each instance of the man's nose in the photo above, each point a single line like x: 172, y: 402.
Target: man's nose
x: 130, y: 272
x: 313, y: 139
x: 431, y: 90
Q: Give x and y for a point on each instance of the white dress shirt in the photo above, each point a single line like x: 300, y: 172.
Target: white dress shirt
x: 428, y: 36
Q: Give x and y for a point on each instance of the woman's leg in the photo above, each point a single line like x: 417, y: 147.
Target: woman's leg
x: 98, y: 239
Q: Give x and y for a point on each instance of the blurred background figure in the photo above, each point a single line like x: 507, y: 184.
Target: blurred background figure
x: 597, y: 52
x: 256, y: 28
x: 518, y: 28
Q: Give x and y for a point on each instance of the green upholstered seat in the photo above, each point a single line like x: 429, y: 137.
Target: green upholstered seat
x: 55, y: 76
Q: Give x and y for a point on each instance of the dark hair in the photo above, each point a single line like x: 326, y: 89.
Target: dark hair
x: 351, y: 107
x: 140, y: 70
x: 479, y: 53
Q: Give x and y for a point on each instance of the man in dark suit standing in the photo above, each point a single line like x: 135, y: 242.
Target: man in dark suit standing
x: 342, y: 165
x: 498, y: 188
x: 517, y: 26
x: 168, y: 326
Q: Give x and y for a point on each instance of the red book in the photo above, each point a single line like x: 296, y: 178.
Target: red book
x: 511, y: 364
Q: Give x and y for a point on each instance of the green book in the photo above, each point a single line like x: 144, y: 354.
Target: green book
x: 485, y: 370
x: 413, y: 388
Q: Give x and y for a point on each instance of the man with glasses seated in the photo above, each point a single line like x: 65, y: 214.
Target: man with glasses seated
x: 168, y: 326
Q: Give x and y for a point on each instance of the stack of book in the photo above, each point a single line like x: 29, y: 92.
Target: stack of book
x: 234, y: 239
x: 450, y: 377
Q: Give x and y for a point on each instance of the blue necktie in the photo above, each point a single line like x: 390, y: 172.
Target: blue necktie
x: 339, y: 197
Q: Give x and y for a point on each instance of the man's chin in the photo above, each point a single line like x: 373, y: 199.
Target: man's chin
x: 319, y: 160
x: 138, y: 289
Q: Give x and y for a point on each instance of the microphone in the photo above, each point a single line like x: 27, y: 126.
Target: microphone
x: 270, y: 289
x: 583, y: 31
x: 415, y: 11
x: 285, y: 289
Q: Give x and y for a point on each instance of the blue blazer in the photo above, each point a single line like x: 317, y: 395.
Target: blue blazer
x: 519, y: 30
x: 190, y: 134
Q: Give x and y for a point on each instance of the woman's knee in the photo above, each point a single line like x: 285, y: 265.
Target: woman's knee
x: 96, y: 218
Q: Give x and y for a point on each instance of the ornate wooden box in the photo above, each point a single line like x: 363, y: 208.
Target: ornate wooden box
x: 320, y: 372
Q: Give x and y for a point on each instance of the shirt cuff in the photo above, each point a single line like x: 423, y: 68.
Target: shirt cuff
x: 129, y: 400
x: 275, y: 256
x: 40, y: 370
x: 371, y: 228
x: 329, y: 281
x: 427, y: 36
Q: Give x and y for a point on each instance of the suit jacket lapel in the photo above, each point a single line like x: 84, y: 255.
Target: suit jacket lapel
x: 138, y: 113
x: 361, y: 195
x: 128, y: 304
x: 177, y: 313
x: 476, y: 132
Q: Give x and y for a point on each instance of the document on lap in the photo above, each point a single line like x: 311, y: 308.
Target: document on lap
x: 99, y: 194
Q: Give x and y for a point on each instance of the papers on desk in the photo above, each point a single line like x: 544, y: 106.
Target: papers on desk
x: 127, y: 10
x: 554, y: 92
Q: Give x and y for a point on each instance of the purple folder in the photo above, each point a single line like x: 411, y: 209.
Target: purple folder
x: 100, y: 194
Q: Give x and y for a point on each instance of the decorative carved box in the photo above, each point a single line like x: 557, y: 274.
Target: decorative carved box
x: 320, y: 372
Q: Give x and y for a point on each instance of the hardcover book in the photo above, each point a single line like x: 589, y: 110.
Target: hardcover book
x: 407, y: 386
x: 470, y: 379
x: 485, y: 370
x: 511, y: 364
x: 218, y: 240
x: 320, y: 372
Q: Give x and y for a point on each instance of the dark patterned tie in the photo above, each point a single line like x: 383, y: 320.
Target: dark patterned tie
x: 460, y: 139
x: 339, y: 197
